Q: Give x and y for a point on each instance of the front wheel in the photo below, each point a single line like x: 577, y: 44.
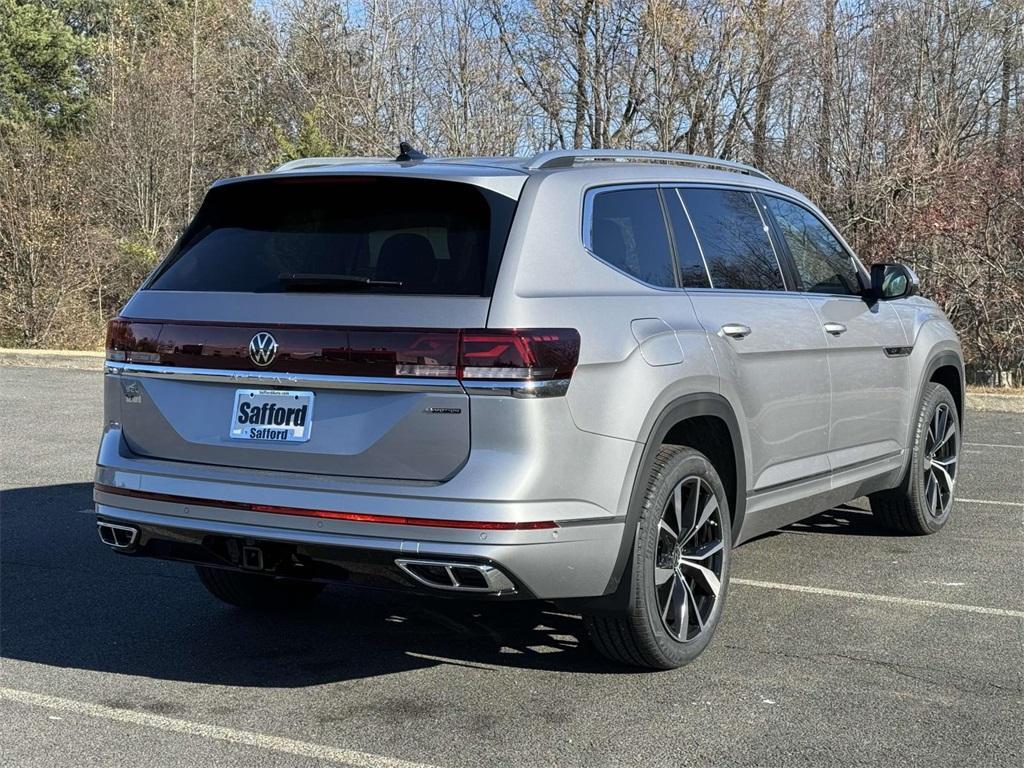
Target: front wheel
x: 680, y: 567
x: 921, y: 504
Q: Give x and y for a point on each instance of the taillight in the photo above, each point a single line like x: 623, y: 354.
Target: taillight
x: 132, y: 342
x: 492, y: 355
x: 530, y: 354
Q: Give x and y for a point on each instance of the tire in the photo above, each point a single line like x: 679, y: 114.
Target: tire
x: 923, y: 501
x: 257, y: 592
x: 656, y: 630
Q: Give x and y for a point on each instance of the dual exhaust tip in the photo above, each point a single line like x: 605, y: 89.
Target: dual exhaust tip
x: 457, y: 577
x: 117, y: 536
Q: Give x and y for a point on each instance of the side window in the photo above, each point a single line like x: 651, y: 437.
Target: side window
x: 821, y: 261
x: 627, y: 230
x: 734, y: 240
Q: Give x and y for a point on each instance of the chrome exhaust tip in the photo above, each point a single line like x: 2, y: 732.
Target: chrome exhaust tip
x: 457, y: 577
x: 117, y: 536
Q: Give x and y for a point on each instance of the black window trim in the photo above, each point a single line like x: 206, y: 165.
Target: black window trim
x: 791, y: 262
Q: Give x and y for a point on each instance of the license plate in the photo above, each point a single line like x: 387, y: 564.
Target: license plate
x: 276, y: 415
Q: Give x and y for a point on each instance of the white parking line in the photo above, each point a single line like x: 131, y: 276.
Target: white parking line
x: 219, y: 733
x: 992, y: 501
x: 995, y: 445
x: 881, y: 598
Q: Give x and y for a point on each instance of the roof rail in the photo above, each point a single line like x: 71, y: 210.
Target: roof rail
x: 317, y: 162
x: 566, y: 158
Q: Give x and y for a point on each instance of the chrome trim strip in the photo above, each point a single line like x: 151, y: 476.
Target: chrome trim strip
x: 268, y: 378
x: 521, y: 389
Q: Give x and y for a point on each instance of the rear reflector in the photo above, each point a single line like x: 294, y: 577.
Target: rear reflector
x: 528, y: 354
x: 354, y: 517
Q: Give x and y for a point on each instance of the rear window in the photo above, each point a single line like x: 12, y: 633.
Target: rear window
x: 342, y: 234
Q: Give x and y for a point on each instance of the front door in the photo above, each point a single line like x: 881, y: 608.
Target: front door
x: 867, y: 345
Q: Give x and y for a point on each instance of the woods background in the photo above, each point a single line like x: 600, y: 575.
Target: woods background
x: 901, y: 118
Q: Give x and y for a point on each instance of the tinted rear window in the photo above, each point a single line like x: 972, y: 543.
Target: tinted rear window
x: 402, y: 235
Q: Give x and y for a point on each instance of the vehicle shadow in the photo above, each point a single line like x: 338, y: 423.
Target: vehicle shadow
x: 68, y: 602
x: 846, y: 520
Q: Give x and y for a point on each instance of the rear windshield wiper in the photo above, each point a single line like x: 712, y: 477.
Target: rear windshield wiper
x: 325, y: 282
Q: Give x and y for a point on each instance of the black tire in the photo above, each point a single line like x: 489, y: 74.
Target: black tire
x: 909, y: 508
x: 258, y: 592
x: 640, y: 636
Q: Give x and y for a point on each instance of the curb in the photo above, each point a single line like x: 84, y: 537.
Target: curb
x: 990, y: 401
x: 53, y: 358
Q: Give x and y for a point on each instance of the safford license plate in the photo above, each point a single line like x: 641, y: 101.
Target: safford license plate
x: 282, y: 416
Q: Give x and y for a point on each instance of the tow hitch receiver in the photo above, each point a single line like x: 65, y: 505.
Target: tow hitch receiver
x: 252, y: 558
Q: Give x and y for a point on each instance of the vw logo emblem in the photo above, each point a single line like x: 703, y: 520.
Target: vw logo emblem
x: 263, y: 349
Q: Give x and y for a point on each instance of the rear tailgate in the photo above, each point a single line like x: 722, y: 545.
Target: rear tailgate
x: 378, y: 360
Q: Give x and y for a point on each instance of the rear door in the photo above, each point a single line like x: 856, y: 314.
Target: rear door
x: 767, y: 339
x: 867, y: 345
x: 342, y: 294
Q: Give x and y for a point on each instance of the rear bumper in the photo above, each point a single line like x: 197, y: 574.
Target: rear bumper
x: 516, y: 484
x: 570, y: 561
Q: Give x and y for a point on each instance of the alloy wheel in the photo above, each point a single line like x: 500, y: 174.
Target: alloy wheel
x: 941, y: 453
x: 688, y: 565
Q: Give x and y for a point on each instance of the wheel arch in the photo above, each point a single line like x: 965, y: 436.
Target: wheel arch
x: 947, y: 370
x: 693, y: 410
x: 945, y: 367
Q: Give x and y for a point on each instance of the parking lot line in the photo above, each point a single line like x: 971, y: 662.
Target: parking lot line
x: 216, y: 732
x: 881, y: 598
x: 992, y: 501
x: 994, y: 445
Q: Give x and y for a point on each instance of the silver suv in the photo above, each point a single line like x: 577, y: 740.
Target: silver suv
x: 583, y: 377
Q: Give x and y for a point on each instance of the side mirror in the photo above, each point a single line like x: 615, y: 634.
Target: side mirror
x: 893, y: 281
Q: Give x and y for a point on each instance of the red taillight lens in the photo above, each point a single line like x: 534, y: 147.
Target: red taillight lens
x: 525, y: 354
x: 355, y: 517
x: 132, y: 342
x: 538, y: 354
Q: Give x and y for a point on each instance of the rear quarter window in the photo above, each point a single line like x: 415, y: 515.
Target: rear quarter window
x: 627, y: 230
x: 342, y: 233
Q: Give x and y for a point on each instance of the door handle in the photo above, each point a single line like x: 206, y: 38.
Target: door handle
x: 736, y: 330
x: 835, y: 328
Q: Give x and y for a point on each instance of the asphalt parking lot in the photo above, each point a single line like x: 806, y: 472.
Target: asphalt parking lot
x: 841, y: 644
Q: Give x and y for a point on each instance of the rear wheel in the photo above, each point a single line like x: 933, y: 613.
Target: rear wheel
x: 256, y: 591
x: 680, y: 567
x: 923, y: 501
